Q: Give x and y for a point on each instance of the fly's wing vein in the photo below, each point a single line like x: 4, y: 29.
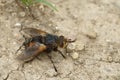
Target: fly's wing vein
x: 32, y: 32
x: 32, y: 51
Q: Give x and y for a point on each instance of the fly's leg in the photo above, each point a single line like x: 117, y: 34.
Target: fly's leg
x: 19, y: 48
x: 56, y: 49
x: 66, y: 49
x: 61, y: 54
x: 52, y: 63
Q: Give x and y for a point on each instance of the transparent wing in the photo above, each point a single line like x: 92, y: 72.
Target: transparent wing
x: 32, y: 51
x: 32, y: 32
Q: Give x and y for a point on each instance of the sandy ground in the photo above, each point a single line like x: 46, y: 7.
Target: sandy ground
x: 98, y: 58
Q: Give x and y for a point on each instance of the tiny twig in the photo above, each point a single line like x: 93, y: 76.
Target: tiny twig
x: 18, y: 3
x: 31, y: 14
x: 23, y: 8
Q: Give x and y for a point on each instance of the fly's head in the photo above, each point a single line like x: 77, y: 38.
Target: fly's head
x: 63, y: 42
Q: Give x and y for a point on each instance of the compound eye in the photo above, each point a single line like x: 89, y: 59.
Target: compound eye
x: 61, y: 41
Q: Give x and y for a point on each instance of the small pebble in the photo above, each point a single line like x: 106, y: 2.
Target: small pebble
x: 14, y: 14
x: 49, y: 24
x: 71, y: 47
x: 92, y: 35
x: 109, y: 58
x: 78, y: 46
x: 56, y: 27
x: 16, y: 35
x: 22, y: 14
x: 14, y: 43
x: 74, y: 55
x: 41, y: 7
x: 18, y: 25
x: 108, y: 40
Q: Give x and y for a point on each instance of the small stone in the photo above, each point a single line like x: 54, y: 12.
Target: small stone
x: 41, y: 7
x: 56, y: 28
x: 22, y: 14
x: 49, y: 24
x: 16, y: 35
x: 77, y: 46
x: 14, y: 43
x: 92, y: 35
x: 71, y: 47
x: 14, y: 14
x: 75, y: 55
x: 109, y: 58
x: 18, y: 25
x: 108, y: 40
x: 80, y: 46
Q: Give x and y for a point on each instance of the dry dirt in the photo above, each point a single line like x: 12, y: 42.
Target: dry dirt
x: 95, y: 24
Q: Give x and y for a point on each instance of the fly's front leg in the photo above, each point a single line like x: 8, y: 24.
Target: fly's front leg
x: 56, y: 49
x: 61, y: 54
